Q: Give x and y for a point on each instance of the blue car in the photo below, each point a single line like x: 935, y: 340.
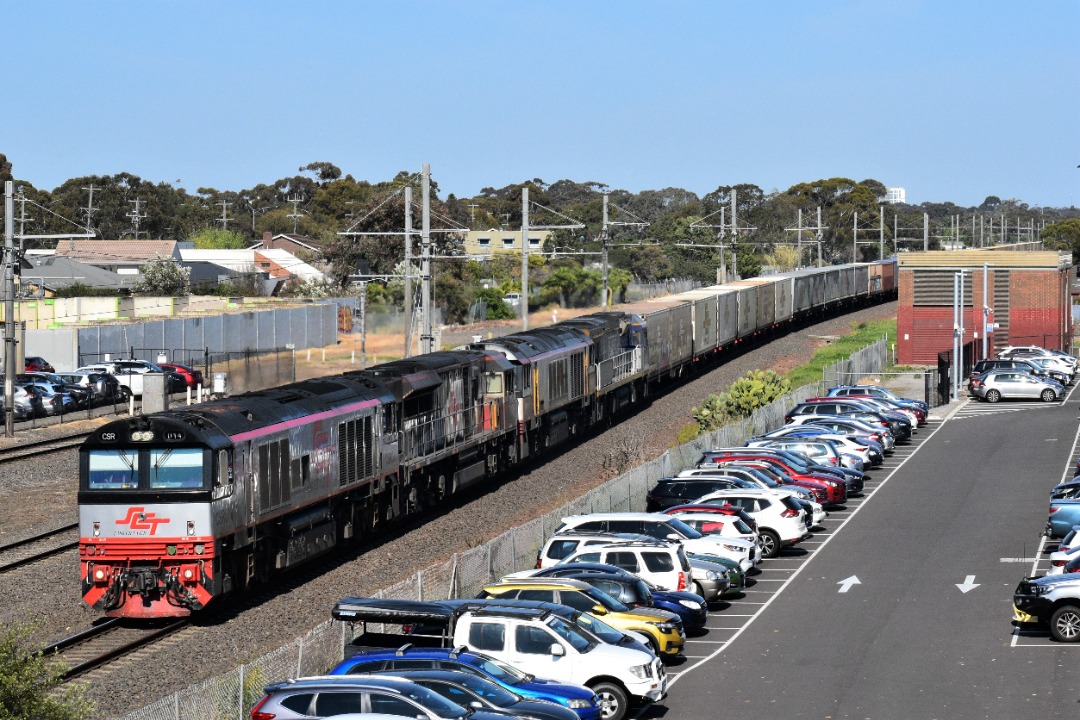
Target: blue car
x: 578, y: 698
x: 1063, y: 515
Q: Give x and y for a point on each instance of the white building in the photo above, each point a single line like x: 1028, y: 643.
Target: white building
x: 896, y: 195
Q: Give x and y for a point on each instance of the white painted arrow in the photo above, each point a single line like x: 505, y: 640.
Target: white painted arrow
x: 846, y: 583
x: 968, y: 584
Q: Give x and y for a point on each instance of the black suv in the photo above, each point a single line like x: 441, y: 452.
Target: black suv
x: 671, y: 491
x: 1016, y: 364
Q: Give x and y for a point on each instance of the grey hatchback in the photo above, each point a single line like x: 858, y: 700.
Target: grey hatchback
x: 325, y: 696
x: 995, y: 385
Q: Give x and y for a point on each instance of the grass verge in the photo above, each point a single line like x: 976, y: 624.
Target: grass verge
x: 863, y: 334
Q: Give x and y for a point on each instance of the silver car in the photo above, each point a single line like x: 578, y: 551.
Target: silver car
x: 996, y: 385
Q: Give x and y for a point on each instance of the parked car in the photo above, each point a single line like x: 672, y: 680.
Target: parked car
x: 664, y: 630
x: 899, y: 425
x: 878, y: 392
x: 56, y: 400
x: 669, y: 492
x: 1011, y: 351
x: 473, y: 691
x: 1052, y: 601
x: 662, y: 564
x: 37, y: 364
x: 1017, y: 364
x: 79, y: 394
x: 762, y: 478
x: 1068, y: 549
x: 656, y: 525
x: 102, y: 386
x: 578, y: 698
x: 781, y: 522
x: 325, y: 696
x: 995, y: 385
x: 192, y: 377
x: 801, y: 472
x: 849, y: 425
x: 729, y: 510
x: 821, y: 452
x: 1063, y: 515
x: 869, y: 451
x: 28, y: 402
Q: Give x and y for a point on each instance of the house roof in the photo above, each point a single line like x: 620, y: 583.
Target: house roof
x: 302, y: 240
x: 111, y: 251
x: 247, y: 260
x: 58, y: 272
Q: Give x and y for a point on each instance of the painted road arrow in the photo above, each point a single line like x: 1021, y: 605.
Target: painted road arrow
x: 846, y: 583
x: 968, y: 584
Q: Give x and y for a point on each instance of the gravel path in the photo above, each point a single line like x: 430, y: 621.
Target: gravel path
x: 52, y: 596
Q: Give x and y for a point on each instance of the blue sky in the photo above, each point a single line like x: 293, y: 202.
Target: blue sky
x: 951, y: 100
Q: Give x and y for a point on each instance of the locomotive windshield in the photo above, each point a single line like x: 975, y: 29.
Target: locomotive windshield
x: 113, y: 470
x: 180, y: 468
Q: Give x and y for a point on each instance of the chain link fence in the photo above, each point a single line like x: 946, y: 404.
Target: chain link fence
x: 231, y: 696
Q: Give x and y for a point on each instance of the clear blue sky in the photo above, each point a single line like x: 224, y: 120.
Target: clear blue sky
x: 951, y: 100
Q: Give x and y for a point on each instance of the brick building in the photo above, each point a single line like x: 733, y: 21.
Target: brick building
x: 1027, y: 294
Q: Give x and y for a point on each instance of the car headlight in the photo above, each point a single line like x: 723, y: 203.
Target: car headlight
x: 712, y: 575
x: 691, y: 604
x: 579, y: 704
x: 640, y: 671
x: 733, y: 548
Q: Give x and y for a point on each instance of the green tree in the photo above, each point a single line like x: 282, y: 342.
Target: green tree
x: 497, y: 309
x: 218, y: 239
x: 1064, y: 235
x: 30, y: 682
x: 163, y: 276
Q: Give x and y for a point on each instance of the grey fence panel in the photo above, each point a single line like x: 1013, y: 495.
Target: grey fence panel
x: 213, y: 331
x: 328, y: 313
x: 472, y: 573
x: 528, y: 539
x: 153, y: 338
x: 58, y: 346
x: 194, y: 334
x: 173, y: 335
x: 240, y: 332
x: 135, y: 336
x: 265, y: 339
x: 283, y: 327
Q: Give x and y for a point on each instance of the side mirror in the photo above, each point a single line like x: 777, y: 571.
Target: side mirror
x: 474, y: 704
x: 557, y: 650
x: 673, y: 537
x: 598, y: 610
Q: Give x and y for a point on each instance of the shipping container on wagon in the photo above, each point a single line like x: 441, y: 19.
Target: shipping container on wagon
x: 727, y: 299
x: 833, y: 287
x: 861, y: 274
x: 747, y: 308
x: 874, y: 279
x: 888, y: 275
x: 668, y: 331
x: 847, y: 282
x: 784, y: 289
x: 766, y: 300
x: 706, y: 321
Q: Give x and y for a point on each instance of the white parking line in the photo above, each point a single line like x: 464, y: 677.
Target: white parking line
x: 777, y: 593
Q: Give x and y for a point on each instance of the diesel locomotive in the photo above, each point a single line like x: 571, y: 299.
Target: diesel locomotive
x: 181, y: 507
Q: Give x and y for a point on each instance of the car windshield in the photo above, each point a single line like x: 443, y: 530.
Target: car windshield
x: 495, y: 694
x: 600, y: 629
x: 431, y: 700
x: 683, y: 529
x: 742, y: 527
x: 502, y: 672
x: 176, y: 469
x: 570, y: 634
x: 602, y: 598
x: 112, y: 470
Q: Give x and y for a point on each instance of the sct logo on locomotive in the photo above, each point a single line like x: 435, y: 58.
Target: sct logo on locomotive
x: 139, y: 521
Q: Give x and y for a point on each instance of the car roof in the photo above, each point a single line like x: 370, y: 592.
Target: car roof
x: 345, y: 681
x: 555, y: 583
x: 659, y: 517
x: 625, y: 544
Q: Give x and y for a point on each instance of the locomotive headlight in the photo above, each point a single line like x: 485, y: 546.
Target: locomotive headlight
x: 99, y: 575
x: 199, y: 549
x: 142, y: 436
x: 97, y: 529
x: 188, y: 574
x: 190, y: 527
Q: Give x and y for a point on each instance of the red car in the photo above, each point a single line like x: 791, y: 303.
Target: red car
x: 835, y: 490
x: 38, y: 364
x: 192, y: 377
x: 729, y: 510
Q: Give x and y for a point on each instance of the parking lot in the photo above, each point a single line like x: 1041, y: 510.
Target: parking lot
x: 902, y: 606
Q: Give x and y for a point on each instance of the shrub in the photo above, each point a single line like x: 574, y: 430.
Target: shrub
x: 30, y: 682
x: 757, y: 389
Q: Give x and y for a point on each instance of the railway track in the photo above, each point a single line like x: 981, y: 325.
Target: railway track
x: 38, y: 547
x: 108, y: 641
x: 41, y: 447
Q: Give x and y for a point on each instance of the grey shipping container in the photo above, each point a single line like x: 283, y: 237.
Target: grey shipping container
x: 669, y: 333
x: 783, y: 287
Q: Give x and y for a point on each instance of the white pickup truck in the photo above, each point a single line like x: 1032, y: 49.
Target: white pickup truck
x: 535, y: 641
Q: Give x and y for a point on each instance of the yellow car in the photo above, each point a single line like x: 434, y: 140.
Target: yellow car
x: 663, y: 629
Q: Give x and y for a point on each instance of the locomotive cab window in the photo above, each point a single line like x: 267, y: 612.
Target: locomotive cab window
x: 494, y: 383
x: 176, y: 469
x: 113, y: 470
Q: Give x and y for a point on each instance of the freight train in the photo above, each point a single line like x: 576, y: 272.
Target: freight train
x: 181, y: 507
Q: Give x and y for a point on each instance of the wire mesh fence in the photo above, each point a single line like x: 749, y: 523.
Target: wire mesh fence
x: 232, y: 695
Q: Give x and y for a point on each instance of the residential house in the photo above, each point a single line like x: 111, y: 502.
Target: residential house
x: 124, y: 257
x: 485, y: 243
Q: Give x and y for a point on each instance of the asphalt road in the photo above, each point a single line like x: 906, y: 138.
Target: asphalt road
x: 964, y: 505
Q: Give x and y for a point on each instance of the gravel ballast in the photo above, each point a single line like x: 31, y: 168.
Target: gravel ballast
x: 39, y: 494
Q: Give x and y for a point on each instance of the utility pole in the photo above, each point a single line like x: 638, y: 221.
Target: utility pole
x: 604, y: 240
x: 23, y: 219
x: 225, y: 219
x: 819, y: 234
x: 896, y: 234
x: 363, y: 323
x: 720, y: 237
x: 798, y: 245
x: 734, y: 236
x: 408, y: 272
x: 427, y: 339
x: 472, y: 215
x: 926, y: 232
x: 89, y: 211
x: 855, y: 237
x: 295, y: 214
x: 10, y: 371
x: 524, y: 258
x: 136, y: 216
x: 881, y: 231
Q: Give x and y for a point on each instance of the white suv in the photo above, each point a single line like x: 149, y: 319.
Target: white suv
x: 728, y: 526
x: 781, y: 521
x: 765, y: 481
x: 661, y: 527
x: 665, y: 565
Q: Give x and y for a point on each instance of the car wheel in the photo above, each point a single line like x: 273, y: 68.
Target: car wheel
x: 770, y: 543
x: 698, y: 590
x: 992, y: 396
x: 1065, y: 624
x: 613, y: 700
x: 125, y: 393
x: 1049, y: 395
